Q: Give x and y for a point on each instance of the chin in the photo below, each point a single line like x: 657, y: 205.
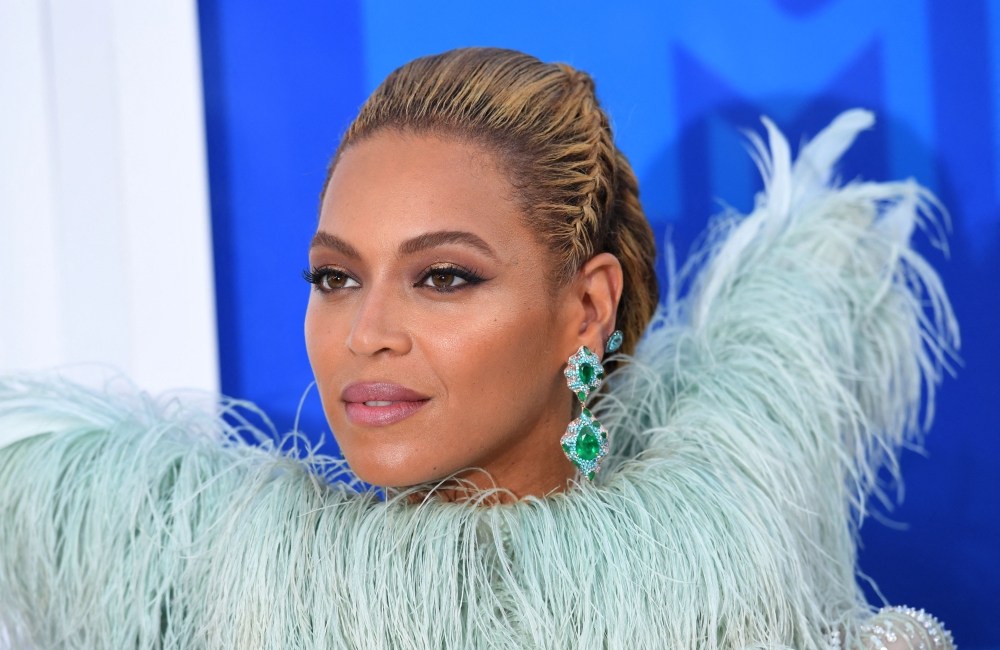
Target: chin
x: 392, y: 468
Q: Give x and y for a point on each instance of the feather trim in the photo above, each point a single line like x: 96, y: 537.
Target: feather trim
x: 748, y: 434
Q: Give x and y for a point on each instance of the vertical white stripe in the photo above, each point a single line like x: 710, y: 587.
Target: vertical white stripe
x: 105, y: 251
x: 165, y: 195
x: 90, y: 224
x: 30, y: 307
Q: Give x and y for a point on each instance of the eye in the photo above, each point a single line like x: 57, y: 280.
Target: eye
x: 330, y: 279
x: 337, y: 280
x: 444, y: 279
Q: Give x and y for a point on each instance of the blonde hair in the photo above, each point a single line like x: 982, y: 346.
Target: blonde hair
x: 548, y: 131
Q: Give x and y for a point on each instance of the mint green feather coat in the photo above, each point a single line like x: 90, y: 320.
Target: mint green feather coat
x: 748, y: 432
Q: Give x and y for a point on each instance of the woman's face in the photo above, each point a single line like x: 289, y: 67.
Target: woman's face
x: 433, y: 329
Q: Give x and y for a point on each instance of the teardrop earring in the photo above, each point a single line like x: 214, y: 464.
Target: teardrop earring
x: 614, y: 341
x: 585, y: 442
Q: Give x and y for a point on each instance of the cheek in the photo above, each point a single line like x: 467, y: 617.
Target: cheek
x: 494, y: 364
x: 325, y: 336
x: 314, y: 334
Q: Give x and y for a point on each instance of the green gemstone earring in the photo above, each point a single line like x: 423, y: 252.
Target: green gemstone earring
x: 586, y: 440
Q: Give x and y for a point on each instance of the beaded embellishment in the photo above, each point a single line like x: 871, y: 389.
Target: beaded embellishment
x: 920, y: 631
x: 907, y: 621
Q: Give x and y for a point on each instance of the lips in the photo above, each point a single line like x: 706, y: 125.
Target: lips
x: 379, y: 404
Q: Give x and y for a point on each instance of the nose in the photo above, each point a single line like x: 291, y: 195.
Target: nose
x: 378, y: 324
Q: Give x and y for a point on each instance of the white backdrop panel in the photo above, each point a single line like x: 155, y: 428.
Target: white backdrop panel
x: 105, y: 250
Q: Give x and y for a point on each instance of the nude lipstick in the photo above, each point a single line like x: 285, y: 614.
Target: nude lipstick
x: 378, y: 404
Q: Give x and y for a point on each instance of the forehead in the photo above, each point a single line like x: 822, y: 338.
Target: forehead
x: 402, y: 185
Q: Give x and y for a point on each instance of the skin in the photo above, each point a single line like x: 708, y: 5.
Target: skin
x: 488, y: 356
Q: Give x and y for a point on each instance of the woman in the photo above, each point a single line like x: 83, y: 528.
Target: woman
x: 481, y: 250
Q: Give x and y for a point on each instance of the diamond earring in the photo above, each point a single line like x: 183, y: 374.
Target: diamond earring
x: 585, y: 442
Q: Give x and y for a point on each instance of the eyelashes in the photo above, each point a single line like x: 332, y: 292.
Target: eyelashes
x: 449, y: 278
x: 441, y: 278
x: 329, y: 279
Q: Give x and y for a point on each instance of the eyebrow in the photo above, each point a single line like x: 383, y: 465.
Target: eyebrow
x: 410, y: 246
x: 443, y: 237
x: 326, y: 240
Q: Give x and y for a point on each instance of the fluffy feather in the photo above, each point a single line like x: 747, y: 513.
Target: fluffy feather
x: 749, y: 430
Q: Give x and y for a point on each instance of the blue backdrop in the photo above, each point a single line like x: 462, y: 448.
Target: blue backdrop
x: 679, y: 79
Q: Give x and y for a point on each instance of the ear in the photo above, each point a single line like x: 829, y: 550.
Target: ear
x: 598, y: 287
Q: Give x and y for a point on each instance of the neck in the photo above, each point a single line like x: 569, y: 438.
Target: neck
x: 531, y: 466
